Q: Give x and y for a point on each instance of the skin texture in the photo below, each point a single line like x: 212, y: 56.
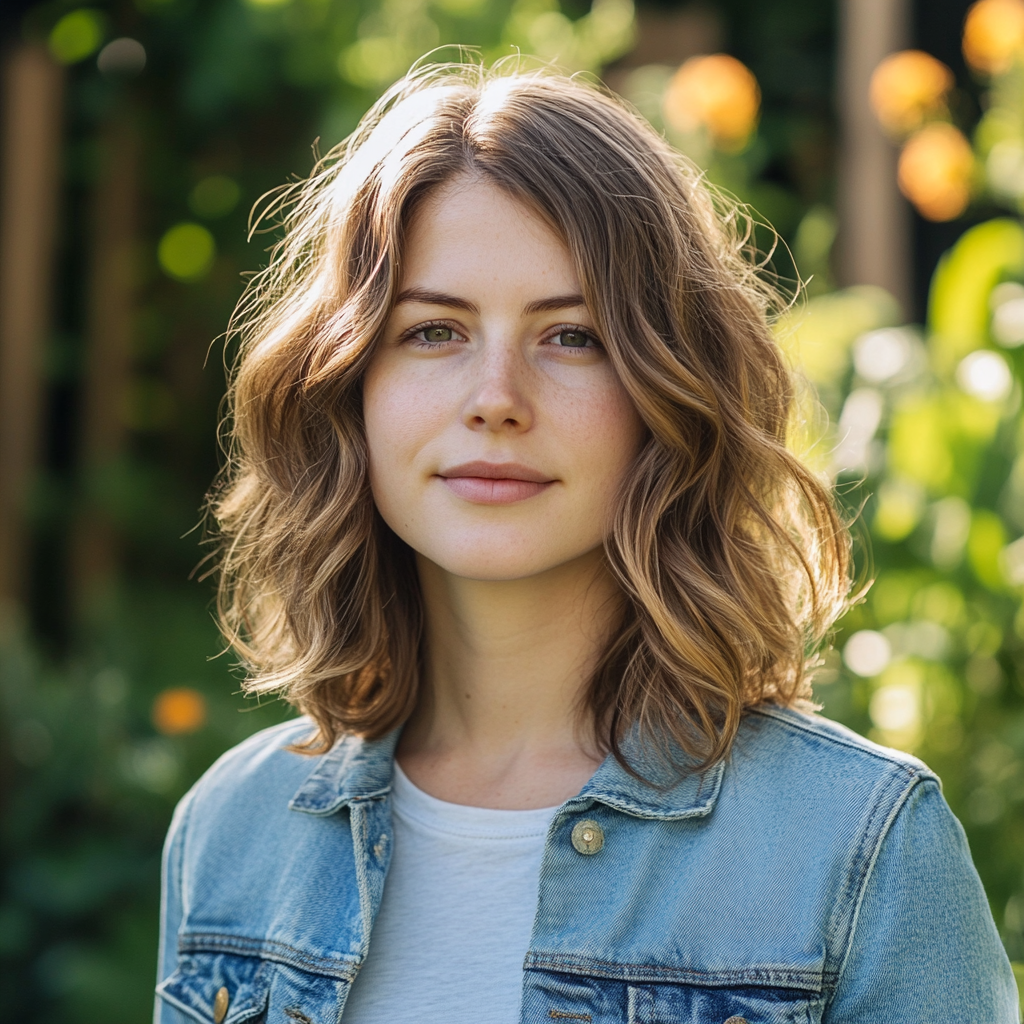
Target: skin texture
x: 491, y: 358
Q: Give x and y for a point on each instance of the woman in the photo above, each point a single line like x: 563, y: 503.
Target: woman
x: 509, y: 517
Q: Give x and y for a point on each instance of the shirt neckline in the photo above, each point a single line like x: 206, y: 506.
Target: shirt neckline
x: 412, y: 803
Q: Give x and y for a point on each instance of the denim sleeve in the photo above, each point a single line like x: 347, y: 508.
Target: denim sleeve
x: 171, y: 910
x: 924, y: 948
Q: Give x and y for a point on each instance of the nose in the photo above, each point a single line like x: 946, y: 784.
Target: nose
x: 498, y: 400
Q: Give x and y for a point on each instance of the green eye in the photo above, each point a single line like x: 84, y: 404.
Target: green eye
x: 438, y: 334
x: 573, y: 339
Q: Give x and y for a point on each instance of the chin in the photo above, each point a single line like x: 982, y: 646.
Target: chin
x: 486, y: 559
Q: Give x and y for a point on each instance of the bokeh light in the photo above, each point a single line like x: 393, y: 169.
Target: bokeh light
x: 716, y: 92
x: 1004, y: 168
x: 867, y: 652
x: 860, y: 418
x: 880, y: 355
x: 179, y: 710
x: 985, y: 375
x: 899, y: 509
x: 1012, y: 563
x: 935, y: 171
x: 122, y: 58
x: 906, y: 87
x: 993, y: 37
x: 215, y: 196
x: 186, y: 252
x: 896, y: 708
x: 1007, y: 304
x: 76, y: 36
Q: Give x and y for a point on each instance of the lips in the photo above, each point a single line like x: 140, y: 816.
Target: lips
x: 494, y: 483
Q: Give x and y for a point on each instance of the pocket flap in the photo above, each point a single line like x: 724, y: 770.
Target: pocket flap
x: 193, y: 987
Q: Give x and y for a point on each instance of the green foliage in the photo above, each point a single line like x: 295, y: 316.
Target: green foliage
x: 89, y: 785
x: 927, y: 441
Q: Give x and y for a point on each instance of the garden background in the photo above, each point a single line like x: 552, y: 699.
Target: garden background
x: 137, y: 136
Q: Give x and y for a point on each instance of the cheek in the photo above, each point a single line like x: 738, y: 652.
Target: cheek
x: 401, y: 415
x: 607, y: 433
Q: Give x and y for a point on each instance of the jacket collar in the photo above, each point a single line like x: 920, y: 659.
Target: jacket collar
x: 356, y: 769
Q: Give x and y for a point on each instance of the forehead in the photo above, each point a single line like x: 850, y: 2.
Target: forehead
x: 472, y: 230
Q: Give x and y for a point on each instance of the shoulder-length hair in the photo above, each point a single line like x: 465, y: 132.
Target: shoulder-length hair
x: 730, y: 554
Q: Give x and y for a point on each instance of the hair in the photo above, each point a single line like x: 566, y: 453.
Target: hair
x: 732, y: 559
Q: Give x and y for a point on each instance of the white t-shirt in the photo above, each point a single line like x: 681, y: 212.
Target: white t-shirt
x: 455, y: 920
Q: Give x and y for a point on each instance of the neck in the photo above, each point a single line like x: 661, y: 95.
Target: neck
x: 499, y: 722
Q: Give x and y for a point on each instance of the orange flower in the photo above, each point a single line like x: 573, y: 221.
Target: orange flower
x: 179, y: 710
x: 906, y: 87
x: 935, y: 171
x: 994, y: 35
x: 716, y: 92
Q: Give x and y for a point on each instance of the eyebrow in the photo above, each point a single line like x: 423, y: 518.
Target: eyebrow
x: 555, y: 302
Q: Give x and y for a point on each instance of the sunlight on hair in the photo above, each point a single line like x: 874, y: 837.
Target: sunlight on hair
x: 315, y: 596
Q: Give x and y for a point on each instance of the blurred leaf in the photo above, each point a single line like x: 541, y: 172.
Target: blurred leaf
x: 958, y: 311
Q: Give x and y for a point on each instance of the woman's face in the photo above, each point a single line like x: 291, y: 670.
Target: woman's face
x: 498, y: 431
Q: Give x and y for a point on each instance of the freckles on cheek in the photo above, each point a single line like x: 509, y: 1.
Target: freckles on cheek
x: 400, y: 419
x: 603, y: 426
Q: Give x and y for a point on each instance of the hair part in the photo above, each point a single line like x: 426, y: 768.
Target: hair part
x: 731, y: 556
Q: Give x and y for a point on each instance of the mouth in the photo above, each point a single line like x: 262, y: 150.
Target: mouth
x: 494, y: 483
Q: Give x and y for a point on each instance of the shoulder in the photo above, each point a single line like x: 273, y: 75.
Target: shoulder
x: 808, y: 771
x: 259, y: 774
x: 784, y: 738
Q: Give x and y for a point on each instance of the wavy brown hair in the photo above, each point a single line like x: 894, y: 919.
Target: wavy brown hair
x: 730, y: 554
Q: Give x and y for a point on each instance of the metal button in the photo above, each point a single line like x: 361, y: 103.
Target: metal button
x: 587, y: 837
x: 736, y: 1020
x: 220, y: 1005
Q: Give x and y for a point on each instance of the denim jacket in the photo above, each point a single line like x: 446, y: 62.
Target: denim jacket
x: 811, y: 877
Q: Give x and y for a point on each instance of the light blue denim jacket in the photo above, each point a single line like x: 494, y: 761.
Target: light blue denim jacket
x: 813, y: 876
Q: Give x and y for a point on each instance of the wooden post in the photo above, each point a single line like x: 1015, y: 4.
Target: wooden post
x: 32, y: 116
x: 874, y: 242
x: 108, y: 353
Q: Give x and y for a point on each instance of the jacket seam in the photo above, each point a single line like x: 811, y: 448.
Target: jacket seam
x: 266, y: 949
x: 180, y: 872
x: 920, y: 771
x: 868, y: 871
x: 781, y: 977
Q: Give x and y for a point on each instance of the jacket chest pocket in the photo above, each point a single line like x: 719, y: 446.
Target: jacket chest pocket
x: 224, y: 988
x: 691, y: 1004
x: 219, y: 988
x: 555, y: 998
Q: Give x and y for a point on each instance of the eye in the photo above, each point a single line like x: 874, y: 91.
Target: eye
x: 432, y: 335
x: 574, y: 337
x: 437, y: 334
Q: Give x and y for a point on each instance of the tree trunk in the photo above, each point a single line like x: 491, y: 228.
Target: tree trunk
x: 874, y: 245
x: 108, y: 357
x: 32, y: 115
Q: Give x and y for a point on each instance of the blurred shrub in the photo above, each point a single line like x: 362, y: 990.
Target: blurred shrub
x: 925, y: 439
x: 95, y: 753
